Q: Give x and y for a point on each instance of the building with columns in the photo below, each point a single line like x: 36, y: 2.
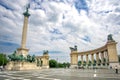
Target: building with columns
x: 105, y: 55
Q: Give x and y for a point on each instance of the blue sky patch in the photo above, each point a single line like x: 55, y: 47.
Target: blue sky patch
x: 8, y: 47
x: 41, y: 52
x: 58, y: 21
x: 55, y: 31
x: 87, y: 39
x: 5, y: 5
x: 54, y: 52
x: 81, y: 5
x: 57, y: 38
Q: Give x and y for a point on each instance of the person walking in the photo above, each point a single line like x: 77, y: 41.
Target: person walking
x: 116, y: 69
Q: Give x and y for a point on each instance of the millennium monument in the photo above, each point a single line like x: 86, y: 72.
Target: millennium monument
x: 103, y: 56
x: 23, y: 50
x: 20, y: 59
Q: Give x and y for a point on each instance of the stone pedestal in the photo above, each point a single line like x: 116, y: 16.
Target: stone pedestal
x: 45, y: 67
x: 19, y: 65
x: 73, y: 66
x: 112, y: 52
x: 74, y: 59
x: 22, y: 51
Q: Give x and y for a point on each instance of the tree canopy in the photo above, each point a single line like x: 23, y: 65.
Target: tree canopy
x: 54, y: 64
x: 3, y: 59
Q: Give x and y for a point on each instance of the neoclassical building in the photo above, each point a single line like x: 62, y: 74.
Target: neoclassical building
x: 105, y: 55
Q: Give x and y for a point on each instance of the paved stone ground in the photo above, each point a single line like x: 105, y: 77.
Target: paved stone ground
x: 61, y: 74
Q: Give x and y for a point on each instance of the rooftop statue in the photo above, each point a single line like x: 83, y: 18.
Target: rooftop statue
x: 45, y: 52
x: 73, y: 49
x: 109, y: 38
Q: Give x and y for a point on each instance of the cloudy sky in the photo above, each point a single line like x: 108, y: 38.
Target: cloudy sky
x: 56, y: 25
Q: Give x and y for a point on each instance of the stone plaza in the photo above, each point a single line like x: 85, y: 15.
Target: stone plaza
x: 61, y: 74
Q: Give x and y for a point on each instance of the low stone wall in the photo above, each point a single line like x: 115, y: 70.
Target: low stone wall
x: 45, y: 67
x: 114, y: 64
x: 73, y: 66
x: 21, y: 66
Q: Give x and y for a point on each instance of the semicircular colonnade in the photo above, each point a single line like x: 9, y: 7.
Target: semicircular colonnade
x: 103, y: 56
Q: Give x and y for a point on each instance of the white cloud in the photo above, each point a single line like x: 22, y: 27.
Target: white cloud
x: 55, y: 26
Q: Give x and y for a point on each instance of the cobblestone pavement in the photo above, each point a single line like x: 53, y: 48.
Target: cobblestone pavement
x: 61, y: 74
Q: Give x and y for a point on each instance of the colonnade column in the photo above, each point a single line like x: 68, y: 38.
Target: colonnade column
x: 107, y: 57
x: 87, y: 59
x: 102, y: 57
x: 97, y: 58
x: 82, y: 59
x: 92, y: 58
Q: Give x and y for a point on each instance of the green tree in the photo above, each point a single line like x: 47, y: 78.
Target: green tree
x: 3, y: 59
x: 60, y: 65
x: 52, y: 63
x: 68, y: 64
x: 64, y: 65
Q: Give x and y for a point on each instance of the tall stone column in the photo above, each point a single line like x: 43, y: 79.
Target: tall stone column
x: 23, y: 50
x: 24, y: 33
